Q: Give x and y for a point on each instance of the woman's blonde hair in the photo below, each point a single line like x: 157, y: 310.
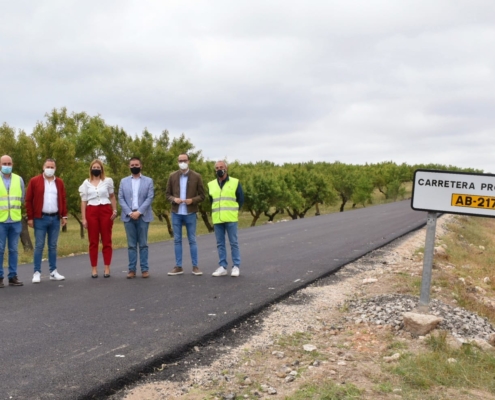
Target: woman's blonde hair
x: 102, y: 168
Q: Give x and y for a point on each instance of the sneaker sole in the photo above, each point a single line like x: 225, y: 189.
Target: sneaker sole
x: 219, y: 275
x: 55, y: 279
x: 175, y: 273
x: 197, y: 273
x: 36, y: 281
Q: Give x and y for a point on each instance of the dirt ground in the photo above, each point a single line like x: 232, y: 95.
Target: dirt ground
x: 255, y: 359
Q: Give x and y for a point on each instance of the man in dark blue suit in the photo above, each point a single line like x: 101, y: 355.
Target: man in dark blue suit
x: 136, y: 194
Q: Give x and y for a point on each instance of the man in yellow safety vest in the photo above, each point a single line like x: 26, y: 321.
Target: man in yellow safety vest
x: 11, y: 198
x: 226, y: 198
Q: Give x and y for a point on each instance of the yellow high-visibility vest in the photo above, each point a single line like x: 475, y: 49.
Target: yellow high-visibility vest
x: 224, y: 207
x: 11, y: 201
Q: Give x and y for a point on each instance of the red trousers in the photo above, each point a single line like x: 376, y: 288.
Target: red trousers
x: 100, y: 225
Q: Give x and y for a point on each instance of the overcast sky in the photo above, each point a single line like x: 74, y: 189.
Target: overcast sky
x: 285, y: 81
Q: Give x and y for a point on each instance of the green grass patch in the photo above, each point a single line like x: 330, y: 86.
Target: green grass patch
x: 327, y: 390
x: 385, y: 387
x: 295, y: 341
x: 395, y: 345
x: 473, y: 369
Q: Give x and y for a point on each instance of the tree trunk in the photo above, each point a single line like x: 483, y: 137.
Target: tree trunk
x: 292, y: 215
x: 204, y: 216
x: 169, y: 224
x: 81, y: 227
x: 164, y: 216
x: 272, y: 215
x: 344, y: 200
x: 303, y: 213
x: 317, y: 212
x: 27, y: 244
x: 382, y: 192
x: 256, y: 216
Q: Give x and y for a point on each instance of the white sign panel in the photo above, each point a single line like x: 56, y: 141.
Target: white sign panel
x: 454, y: 192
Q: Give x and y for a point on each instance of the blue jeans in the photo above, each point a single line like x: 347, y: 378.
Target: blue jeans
x: 43, y: 227
x: 137, y: 234
x: 189, y: 220
x: 10, y: 232
x: 231, y: 229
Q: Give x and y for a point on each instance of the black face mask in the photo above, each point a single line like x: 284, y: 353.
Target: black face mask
x: 220, y: 173
x: 135, y: 170
x: 96, y: 172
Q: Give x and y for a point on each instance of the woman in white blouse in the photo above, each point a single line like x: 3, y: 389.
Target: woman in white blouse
x: 98, y: 209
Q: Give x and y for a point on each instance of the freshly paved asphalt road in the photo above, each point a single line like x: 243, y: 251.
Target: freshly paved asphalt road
x: 64, y: 340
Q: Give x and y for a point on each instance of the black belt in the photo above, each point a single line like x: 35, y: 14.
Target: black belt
x: 134, y: 210
x: 50, y: 214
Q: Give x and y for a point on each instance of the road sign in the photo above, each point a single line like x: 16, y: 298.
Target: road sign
x: 454, y: 192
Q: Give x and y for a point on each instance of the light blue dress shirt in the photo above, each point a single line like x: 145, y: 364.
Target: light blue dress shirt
x: 183, y: 194
x: 135, y: 192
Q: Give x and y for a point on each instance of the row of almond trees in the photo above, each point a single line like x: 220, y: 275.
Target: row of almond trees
x: 297, y: 188
x: 75, y: 139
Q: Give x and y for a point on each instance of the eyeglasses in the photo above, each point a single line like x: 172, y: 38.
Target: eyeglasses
x: 183, y: 160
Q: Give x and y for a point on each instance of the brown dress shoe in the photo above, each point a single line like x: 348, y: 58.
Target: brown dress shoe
x: 1, y: 283
x: 131, y: 274
x: 146, y: 274
x: 15, y: 282
x: 176, y: 271
x: 196, y: 271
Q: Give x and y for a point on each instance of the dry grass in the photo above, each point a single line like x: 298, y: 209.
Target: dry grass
x: 471, y: 251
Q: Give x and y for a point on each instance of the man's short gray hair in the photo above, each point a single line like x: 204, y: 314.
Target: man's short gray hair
x: 225, y: 162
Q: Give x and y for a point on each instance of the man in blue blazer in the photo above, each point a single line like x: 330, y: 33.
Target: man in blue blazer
x: 136, y: 194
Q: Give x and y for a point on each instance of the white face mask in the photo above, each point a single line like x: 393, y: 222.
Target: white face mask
x: 183, y: 165
x: 49, y: 172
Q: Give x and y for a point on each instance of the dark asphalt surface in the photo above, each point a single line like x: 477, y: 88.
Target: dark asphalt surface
x: 65, y: 340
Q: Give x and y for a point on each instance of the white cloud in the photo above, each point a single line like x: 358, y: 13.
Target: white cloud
x: 355, y: 81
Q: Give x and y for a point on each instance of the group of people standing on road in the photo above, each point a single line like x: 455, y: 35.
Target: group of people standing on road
x: 46, y: 208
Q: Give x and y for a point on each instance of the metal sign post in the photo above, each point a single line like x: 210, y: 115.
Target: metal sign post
x: 431, y: 225
x: 448, y: 192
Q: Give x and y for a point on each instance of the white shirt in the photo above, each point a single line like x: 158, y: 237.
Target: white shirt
x: 50, y: 198
x: 96, y: 195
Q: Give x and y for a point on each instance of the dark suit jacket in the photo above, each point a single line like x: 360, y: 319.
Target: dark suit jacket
x: 195, y: 190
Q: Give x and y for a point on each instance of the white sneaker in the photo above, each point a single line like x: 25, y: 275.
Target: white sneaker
x: 36, y: 277
x: 55, y: 276
x: 235, y: 271
x: 221, y: 271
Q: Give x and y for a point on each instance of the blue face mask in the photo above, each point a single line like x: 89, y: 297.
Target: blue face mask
x: 6, y: 169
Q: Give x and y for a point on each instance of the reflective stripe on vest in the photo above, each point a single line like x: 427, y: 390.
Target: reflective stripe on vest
x: 11, y: 202
x: 224, y: 207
